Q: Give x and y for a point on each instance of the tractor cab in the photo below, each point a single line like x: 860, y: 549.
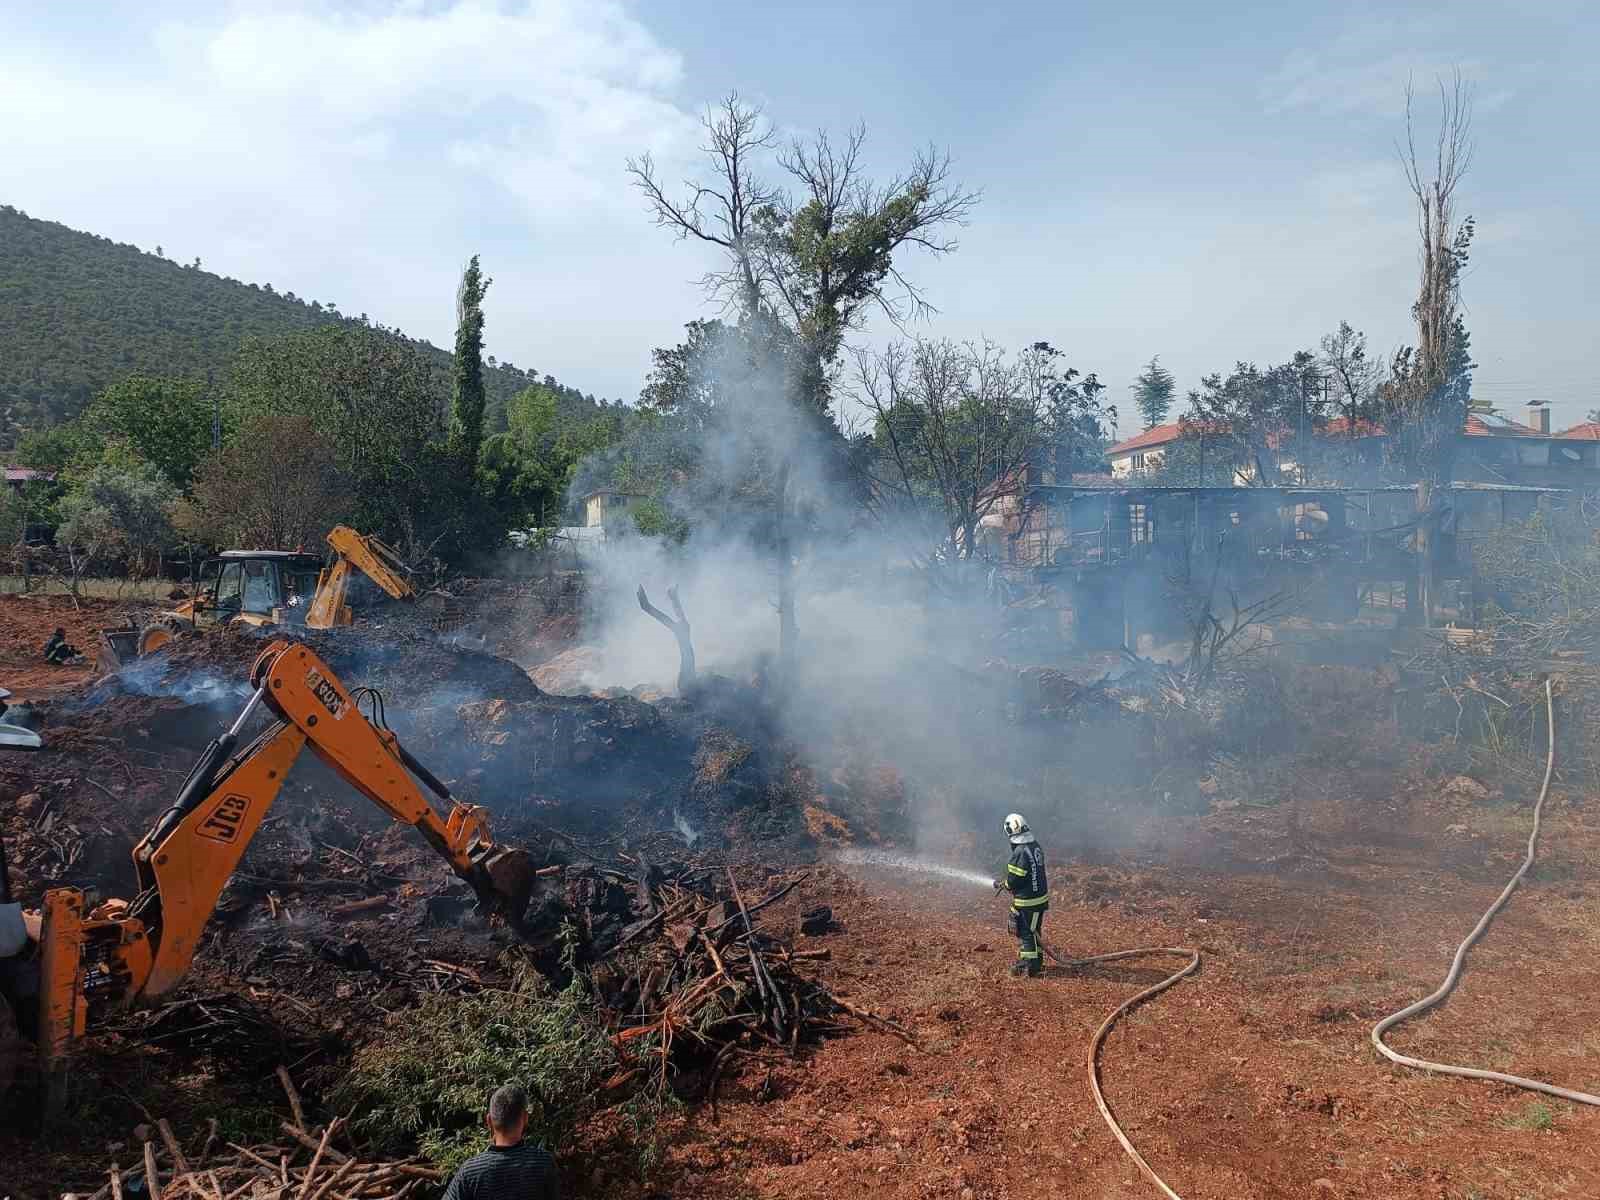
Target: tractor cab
x: 238, y: 587
x: 255, y: 587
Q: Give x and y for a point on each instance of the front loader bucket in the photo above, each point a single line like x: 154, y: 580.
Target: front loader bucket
x: 118, y: 647
x: 507, y: 883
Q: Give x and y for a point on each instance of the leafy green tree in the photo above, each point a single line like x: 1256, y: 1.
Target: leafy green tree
x: 168, y: 422
x: 716, y: 422
x: 466, y: 408
x: 374, y: 396
x: 1260, y: 417
x: 119, y: 508
x: 1077, y: 421
x: 1153, y: 390
x: 960, y: 430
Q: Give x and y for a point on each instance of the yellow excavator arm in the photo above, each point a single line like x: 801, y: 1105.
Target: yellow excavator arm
x: 354, y: 552
x: 125, y: 951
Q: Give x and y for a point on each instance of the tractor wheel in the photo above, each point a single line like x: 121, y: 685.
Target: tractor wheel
x: 155, y: 636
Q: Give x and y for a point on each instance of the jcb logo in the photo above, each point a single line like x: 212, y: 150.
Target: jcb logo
x: 327, y: 695
x: 223, y: 821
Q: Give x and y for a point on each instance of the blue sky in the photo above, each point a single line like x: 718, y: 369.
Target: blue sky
x: 1203, y: 182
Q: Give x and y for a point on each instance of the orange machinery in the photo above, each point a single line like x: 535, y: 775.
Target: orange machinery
x: 120, y: 952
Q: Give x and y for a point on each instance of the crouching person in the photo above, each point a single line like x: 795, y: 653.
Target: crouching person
x: 511, y: 1168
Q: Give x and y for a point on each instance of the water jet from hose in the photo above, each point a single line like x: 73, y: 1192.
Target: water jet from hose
x: 904, y: 862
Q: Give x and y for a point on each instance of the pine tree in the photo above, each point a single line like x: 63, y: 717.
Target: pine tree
x: 1152, y: 393
x: 466, y: 406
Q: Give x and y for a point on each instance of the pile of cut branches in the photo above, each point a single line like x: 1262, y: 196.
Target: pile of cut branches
x: 708, y: 985
x: 305, y: 1164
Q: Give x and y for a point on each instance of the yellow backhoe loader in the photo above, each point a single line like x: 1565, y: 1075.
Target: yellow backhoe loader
x: 267, y: 587
x: 65, y: 965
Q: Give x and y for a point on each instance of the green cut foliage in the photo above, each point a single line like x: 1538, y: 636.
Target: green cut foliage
x: 427, y: 1080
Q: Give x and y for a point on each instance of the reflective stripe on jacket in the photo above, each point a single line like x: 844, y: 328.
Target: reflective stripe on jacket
x: 1025, y: 878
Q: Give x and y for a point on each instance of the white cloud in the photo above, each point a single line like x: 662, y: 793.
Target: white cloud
x: 1364, y: 70
x: 360, y: 153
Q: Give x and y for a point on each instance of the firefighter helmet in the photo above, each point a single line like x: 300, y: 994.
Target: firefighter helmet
x: 1015, y: 825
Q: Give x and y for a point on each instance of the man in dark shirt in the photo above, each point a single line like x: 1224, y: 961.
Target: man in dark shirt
x: 510, y: 1169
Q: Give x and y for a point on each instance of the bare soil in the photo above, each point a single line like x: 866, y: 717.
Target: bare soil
x: 1253, y: 1078
x: 1316, y: 916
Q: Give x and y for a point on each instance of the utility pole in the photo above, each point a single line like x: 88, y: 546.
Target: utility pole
x: 216, y: 412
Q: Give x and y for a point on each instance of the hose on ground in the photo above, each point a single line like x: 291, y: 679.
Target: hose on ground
x: 1456, y: 965
x: 1099, y: 1039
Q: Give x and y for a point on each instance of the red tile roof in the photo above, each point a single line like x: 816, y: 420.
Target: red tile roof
x: 1494, y: 425
x: 1477, y: 425
x: 27, y: 474
x: 1340, y: 427
x: 1588, y: 431
x: 1160, y: 435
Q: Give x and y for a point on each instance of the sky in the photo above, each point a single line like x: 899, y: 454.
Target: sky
x: 1206, y: 183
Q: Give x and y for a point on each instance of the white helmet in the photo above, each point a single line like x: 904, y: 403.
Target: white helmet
x: 1015, y: 825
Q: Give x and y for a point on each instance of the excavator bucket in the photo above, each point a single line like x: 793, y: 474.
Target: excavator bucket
x: 508, y: 873
x: 117, y: 648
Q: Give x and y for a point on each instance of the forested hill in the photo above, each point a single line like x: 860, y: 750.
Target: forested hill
x: 79, y: 311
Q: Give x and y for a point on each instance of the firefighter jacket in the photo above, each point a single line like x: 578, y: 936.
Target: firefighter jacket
x: 1025, y: 878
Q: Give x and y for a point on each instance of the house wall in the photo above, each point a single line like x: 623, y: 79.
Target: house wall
x: 606, y: 510
x: 1125, y: 465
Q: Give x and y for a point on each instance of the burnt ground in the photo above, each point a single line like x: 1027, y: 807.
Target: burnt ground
x: 1317, y: 915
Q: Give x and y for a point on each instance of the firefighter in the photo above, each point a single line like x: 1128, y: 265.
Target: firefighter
x: 1030, y: 895
x: 58, y: 651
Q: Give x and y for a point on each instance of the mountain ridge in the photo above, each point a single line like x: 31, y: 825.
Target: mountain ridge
x: 79, y: 311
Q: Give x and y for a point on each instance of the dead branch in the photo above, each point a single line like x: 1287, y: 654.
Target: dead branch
x: 679, y: 625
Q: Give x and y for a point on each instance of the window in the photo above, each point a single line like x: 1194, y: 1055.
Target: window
x: 1533, y: 454
x: 301, y: 586
x: 230, y: 587
x: 258, y: 588
x: 1139, y: 527
x: 1138, y: 462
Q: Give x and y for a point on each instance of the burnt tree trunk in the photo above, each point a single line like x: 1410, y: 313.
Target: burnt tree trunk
x: 788, y: 629
x: 680, y: 631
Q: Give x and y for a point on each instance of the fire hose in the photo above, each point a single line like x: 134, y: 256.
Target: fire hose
x: 1098, y: 1041
x: 1454, y: 975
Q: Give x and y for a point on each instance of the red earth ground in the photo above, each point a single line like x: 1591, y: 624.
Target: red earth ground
x: 25, y: 624
x: 1253, y: 1078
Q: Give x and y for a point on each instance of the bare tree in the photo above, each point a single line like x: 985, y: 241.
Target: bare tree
x: 958, y: 426
x: 1354, y: 375
x: 723, y: 211
x: 276, y: 486
x: 822, y: 256
x: 678, y: 625
x: 1426, y: 396
x: 815, y: 262
x: 832, y: 259
x: 1443, y: 239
